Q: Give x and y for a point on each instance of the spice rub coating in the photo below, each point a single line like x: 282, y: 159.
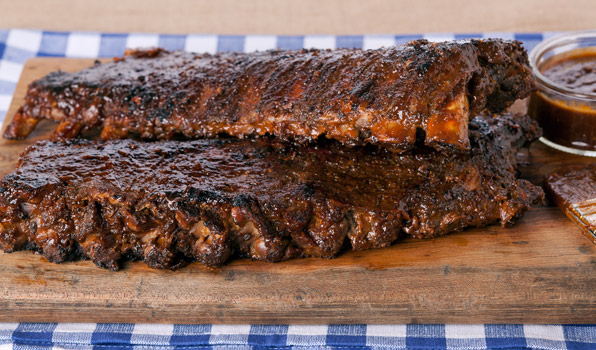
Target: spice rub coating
x: 169, y: 202
x: 389, y: 96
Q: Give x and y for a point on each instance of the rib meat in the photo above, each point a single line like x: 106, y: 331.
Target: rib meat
x: 171, y: 202
x: 390, y: 97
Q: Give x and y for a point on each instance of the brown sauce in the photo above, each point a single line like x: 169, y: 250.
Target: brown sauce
x: 568, y: 121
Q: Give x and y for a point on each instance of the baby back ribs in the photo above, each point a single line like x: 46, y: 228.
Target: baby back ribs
x: 171, y: 202
x: 393, y: 97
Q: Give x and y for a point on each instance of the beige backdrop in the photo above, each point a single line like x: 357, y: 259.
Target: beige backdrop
x: 299, y: 16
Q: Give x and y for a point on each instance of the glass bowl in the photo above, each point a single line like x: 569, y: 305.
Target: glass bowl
x: 566, y: 114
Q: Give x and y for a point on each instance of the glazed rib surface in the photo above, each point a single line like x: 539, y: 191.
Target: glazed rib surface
x: 390, y: 97
x: 171, y: 202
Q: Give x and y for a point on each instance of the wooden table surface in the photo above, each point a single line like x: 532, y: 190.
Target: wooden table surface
x: 299, y: 17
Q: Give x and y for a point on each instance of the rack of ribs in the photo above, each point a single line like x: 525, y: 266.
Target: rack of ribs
x: 393, y: 97
x: 170, y: 202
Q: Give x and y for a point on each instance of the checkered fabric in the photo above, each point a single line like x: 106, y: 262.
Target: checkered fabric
x: 16, y: 46
x: 278, y: 337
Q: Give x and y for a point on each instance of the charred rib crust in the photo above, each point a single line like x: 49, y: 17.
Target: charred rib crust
x: 168, y: 203
x: 355, y: 96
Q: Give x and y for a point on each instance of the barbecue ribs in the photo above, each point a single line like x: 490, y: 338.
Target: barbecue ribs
x: 391, y: 97
x: 171, y: 202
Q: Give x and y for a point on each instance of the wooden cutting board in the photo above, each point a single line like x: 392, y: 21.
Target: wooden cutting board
x: 542, y: 270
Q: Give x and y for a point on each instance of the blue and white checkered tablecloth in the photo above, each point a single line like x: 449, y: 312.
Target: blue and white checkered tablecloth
x: 278, y: 337
x: 16, y: 46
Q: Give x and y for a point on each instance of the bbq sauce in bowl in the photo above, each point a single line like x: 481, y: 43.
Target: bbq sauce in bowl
x: 565, y: 101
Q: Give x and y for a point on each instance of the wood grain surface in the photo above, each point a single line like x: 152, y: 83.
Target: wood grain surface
x: 542, y: 270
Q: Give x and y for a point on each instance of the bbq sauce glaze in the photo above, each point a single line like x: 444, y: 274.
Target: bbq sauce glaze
x: 565, y: 119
